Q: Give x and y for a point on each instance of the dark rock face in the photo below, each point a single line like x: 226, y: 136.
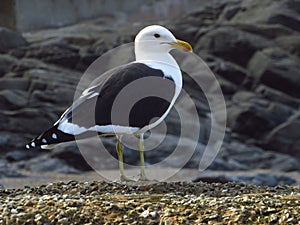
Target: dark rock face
x: 290, y: 43
x: 20, y: 84
x: 232, y: 72
x: 72, y: 157
x: 232, y: 44
x: 15, y: 156
x: 6, y: 63
x: 286, y: 138
x: 284, y: 12
x: 253, y: 48
x: 44, y: 163
x: 56, y: 53
x: 276, y: 69
x: 10, y: 40
x: 237, y: 156
x: 254, y: 116
x: 22, y: 120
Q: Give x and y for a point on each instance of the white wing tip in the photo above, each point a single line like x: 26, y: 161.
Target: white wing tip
x: 48, y: 146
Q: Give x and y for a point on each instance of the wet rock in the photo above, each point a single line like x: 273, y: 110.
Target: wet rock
x: 71, y: 156
x: 263, y: 179
x: 83, y: 33
x: 45, y: 164
x: 277, y: 96
x: 86, y: 59
x: 274, y: 68
x: 189, y: 26
x: 230, y: 71
x: 26, y: 64
x: 59, y: 78
x: 14, y: 156
x: 10, y: 39
x: 9, y: 173
x: 13, y: 99
x: 20, y: 84
x: 58, y: 97
x: 6, y: 63
x: 284, y: 12
x: 238, y: 156
x: 37, y: 85
x: 11, y: 141
x: 269, y: 31
x: 58, y: 53
x: 196, y: 94
x: 99, y: 156
x: 227, y: 87
x: 4, y: 139
x: 169, y: 152
x: 260, y: 179
x: 290, y: 43
x: 286, y: 137
x: 230, y: 11
x: 232, y: 44
x: 99, y: 47
x: 26, y: 121
x: 253, y: 116
x: 212, y: 179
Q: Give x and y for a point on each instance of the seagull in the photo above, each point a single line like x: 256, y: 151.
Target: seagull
x: 154, y: 75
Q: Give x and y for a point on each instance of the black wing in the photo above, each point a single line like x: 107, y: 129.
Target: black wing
x: 95, y: 106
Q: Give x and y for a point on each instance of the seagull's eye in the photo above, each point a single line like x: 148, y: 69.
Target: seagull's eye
x: 156, y: 35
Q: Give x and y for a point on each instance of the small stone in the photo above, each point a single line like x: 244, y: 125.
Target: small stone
x: 153, y: 214
x: 63, y: 221
x: 145, y: 214
x: 14, y: 211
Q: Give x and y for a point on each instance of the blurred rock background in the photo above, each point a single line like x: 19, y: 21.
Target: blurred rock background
x: 252, y: 46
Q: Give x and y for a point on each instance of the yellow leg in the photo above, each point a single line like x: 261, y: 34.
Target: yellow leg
x: 120, y: 149
x: 143, y: 176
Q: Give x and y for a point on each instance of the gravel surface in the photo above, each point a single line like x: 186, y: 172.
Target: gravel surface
x: 35, y: 179
x: 160, y: 203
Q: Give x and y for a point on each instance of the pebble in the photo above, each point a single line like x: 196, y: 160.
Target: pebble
x: 145, y: 214
x: 14, y: 211
x: 160, y: 203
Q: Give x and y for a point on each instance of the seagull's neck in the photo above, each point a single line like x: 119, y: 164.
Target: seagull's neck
x: 156, y: 61
x: 165, y: 58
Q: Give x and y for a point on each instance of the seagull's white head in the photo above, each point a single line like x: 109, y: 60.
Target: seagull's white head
x: 154, y: 43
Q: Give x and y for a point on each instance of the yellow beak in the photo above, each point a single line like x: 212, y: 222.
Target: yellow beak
x: 182, y: 45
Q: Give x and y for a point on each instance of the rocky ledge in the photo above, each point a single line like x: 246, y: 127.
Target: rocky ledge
x: 160, y: 203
